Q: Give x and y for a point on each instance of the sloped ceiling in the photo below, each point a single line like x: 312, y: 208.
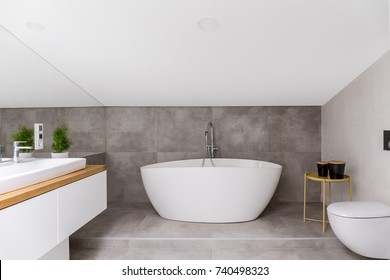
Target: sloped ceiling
x: 56, y: 53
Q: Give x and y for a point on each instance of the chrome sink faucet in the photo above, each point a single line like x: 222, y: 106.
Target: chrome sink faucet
x: 17, y: 148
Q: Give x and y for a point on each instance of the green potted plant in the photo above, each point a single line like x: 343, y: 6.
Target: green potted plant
x: 61, y: 142
x: 27, y: 135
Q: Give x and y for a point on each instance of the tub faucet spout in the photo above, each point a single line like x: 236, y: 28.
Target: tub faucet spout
x: 209, y: 139
x: 211, y: 148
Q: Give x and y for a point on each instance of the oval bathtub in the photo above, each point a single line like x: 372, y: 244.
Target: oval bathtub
x: 235, y: 190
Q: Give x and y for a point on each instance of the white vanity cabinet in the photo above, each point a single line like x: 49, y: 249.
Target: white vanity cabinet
x: 33, y: 228
x: 80, y: 202
x: 29, y: 229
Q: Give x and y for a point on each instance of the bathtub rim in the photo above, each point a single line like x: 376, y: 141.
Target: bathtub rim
x: 171, y: 164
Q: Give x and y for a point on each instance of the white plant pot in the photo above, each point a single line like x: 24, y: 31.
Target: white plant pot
x: 26, y: 155
x: 60, y: 155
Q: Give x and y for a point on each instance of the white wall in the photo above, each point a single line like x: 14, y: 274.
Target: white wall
x: 352, y: 130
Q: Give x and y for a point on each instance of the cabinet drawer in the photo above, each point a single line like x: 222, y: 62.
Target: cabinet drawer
x: 29, y: 229
x: 80, y: 202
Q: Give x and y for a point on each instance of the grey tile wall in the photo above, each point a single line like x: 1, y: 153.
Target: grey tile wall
x: 241, y: 129
x: 124, y: 177
x: 294, y: 129
x: 131, y: 129
x: 136, y: 136
x: 181, y: 129
x: 94, y: 158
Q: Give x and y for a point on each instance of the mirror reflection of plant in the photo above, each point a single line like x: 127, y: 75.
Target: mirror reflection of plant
x: 61, y: 141
x: 24, y: 134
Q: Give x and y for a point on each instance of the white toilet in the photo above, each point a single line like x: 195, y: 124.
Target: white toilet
x: 362, y: 226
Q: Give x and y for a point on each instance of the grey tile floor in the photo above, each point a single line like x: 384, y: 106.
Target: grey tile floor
x: 136, y: 231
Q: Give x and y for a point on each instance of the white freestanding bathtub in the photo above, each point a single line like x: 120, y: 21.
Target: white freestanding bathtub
x: 235, y: 190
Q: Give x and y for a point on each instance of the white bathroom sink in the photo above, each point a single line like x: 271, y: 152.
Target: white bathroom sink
x: 5, y: 161
x: 28, y: 172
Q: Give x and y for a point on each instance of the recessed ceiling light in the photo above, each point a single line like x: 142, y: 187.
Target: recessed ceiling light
x: 36, y: 26
x: 208, y: 24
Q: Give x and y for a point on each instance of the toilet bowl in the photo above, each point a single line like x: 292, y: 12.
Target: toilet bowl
x: 362, y: 226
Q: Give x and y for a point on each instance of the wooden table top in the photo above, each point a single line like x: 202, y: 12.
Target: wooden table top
x: 314, y: 177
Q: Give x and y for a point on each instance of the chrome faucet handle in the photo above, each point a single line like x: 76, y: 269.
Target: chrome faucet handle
x: 16, y: 146
x: 16, y: 143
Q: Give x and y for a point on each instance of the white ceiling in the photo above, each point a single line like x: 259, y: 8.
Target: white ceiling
x: 153, y: 53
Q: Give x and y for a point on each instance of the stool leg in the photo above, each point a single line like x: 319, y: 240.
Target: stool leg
x: 329, y: 193
x: 304, y: 198
x: 323, y: 205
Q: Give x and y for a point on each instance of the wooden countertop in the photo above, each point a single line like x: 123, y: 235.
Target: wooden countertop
x: 19, y: 195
